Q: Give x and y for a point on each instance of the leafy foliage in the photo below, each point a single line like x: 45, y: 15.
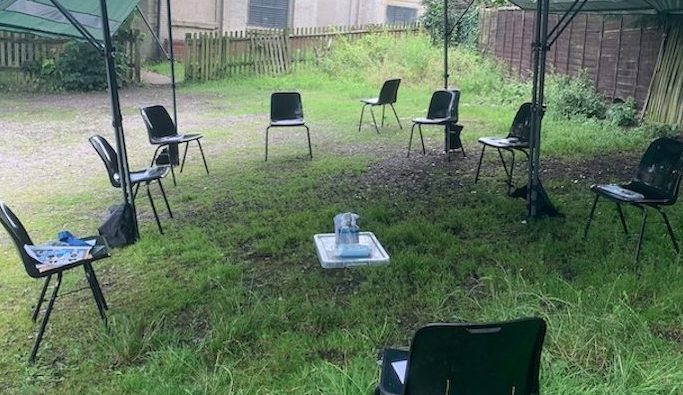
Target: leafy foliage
x: 467, y: 30
x: 574, y: 96
x: 623, y: 113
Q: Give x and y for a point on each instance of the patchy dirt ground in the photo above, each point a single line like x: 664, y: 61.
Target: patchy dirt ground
x: 45, y: 142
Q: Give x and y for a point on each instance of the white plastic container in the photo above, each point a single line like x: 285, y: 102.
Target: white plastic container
x: 325, y: 246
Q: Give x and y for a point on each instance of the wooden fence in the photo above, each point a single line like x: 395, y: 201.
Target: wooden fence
x: 618, y: 52
x: 17, y: 50
x: 209, y: 56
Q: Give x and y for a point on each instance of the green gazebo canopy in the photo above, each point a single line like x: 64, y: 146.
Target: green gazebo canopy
x: 44, y: 17
x: 610, y: 6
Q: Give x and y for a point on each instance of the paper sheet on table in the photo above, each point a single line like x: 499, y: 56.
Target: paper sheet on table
x: 400, y: 369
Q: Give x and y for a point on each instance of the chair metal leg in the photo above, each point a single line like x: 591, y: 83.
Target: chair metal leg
x: 448, y: 142
x: 182, y: 164
x: 362, y: 111
x: 502, y: 160
x: 308, y: 135
x: 621, y: 217
x: 156, y: 152
x: 267, y: 129
x: 173, y: 175
x: 669, y: 228
x: 97, y: 285
x: 163, y: 193
x: 642, y: 232
x: 410, y: 142
x: 512, y: 170
x: 481, y: 157
x: 374, y: 121
x: 95, y: 294
x: 396, y: 115
x: 46, y: 317
x: 154, y: 209
x: 206, y: 167
x: 383, y: 107
x: 39, y: 303
x: 135, y: 192
x: 590, y: 216
x: 419, y: 128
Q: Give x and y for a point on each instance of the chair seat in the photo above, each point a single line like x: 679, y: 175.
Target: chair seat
x: 288, y: 122
x: 177, y: 139
x: 431, y: 121
x: 506, y: 142
x: 629, y: 193
x: 99, y: 251
x: 151, y: 174
x: 373, y: 101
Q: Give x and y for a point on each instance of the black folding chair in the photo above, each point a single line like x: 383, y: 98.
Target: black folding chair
x: 21, y: 238
x: 286, y: 110
x: 163, y: 133
x: 467, y: 359
x: 516, y: 140
x: 147, y: 176
x: 443, y: 111
x: 387, y: 95
x: 655, y: 184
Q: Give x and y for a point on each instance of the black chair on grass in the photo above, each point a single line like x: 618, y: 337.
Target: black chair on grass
x: 21, y: 238
x: 443, y: 111
x: 516, y: 140
x: 387, y: 95
x: 163, y: 133
x: 655, y: 184
x: 147, y: 176
x: 286, y: 110
x: 467, y: 359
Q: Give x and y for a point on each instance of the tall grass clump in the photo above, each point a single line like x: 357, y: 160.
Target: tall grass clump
x: 571, y: 97
x: 419, y: 62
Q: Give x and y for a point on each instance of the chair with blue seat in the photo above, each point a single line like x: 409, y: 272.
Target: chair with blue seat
x: 387, y: 96
x: 467, y: 359
x: 34, y: 269
x: 286, y: 110
x: 146, y: 176
x: 655, y: 185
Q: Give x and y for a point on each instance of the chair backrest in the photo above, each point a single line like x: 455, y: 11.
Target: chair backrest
x: 498, y: 358
x: 109, y: 158
x: 521, y: 125
x: 285, y: 105
x: 158, y: 122
x: 389, y: 92
x: 660, y: 168
x: 20, y: 238
x: 444, y: 104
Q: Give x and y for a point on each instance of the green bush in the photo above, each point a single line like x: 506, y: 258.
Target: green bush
x: 655, y: 130
x: 571, y: 96
x: 43, y: 74
x: 623, y: 113
x: 467, y: 30
x: 81, y: 68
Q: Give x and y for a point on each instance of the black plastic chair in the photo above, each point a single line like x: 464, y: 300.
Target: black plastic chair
x: 655, y: 184
x: 286, y: 110
x: 147, y: 176
x: 387, y: 95
x: 163, y: 133
x: 21, y: 238
x: 468, y: 359
x: 516, y: 140
x: 443, y: 111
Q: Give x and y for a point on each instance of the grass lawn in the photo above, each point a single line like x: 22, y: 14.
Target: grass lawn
x: 232, y: 299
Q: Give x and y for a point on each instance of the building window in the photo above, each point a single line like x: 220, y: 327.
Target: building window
x: 269, y: 13
x: 401, y: 15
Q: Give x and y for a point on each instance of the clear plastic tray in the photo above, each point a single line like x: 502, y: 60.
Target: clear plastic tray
x: 324, y: 244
